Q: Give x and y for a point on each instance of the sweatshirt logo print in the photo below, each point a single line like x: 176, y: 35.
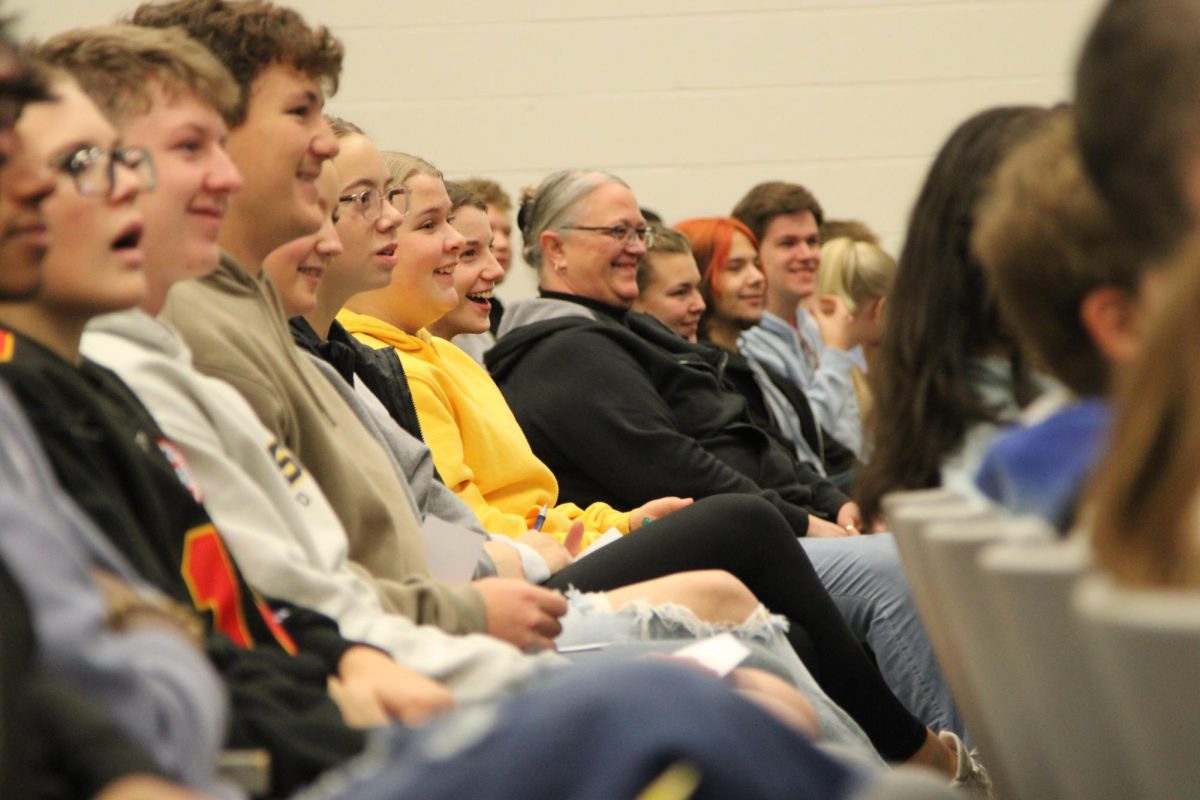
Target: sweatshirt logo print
x: 289, y: 467
x: 209, y: 574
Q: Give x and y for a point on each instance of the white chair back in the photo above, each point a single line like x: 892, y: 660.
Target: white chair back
x: 1006, y: 715
x: 1146, y: 646
x: 908, y: 514
x: 1030, y: 586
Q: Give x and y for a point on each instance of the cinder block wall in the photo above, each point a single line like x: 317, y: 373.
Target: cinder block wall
x: 691, y: 101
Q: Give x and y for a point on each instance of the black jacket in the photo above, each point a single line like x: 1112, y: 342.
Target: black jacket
x: 380, y: 369
x: 623, y: 410
x: 835, y: 456
x: 112, y: 458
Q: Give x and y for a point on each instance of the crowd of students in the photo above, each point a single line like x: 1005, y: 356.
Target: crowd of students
x: 255, y: 381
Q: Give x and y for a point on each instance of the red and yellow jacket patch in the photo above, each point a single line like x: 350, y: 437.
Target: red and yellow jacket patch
x: 8, y: 344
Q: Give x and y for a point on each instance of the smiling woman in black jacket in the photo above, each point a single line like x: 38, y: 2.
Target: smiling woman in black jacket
x: 620, y: 408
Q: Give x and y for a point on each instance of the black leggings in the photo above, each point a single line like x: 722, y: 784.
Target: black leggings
x: 747, y: 537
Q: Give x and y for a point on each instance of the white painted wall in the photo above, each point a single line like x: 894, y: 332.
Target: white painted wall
x: 689, y: 101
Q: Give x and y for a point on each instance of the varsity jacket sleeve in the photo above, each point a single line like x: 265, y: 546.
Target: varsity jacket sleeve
x: 604, y: 417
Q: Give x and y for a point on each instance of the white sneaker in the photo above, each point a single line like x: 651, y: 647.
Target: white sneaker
x: 970, y: 776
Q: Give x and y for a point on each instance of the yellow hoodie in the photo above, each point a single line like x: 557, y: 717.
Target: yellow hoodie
x: 478, y: 447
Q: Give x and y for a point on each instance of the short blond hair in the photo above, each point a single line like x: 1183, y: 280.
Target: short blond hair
x: 117, y: 66
x: 343, y: 127
x: 402, y: 166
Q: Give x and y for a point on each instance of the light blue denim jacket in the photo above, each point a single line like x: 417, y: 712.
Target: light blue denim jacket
x: 829, y: 383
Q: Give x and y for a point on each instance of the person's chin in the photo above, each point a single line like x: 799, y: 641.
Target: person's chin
x: 20, y: 289
x: 474, y: 324
x: 202, y: 261
x: 22, y: 276
x: 805, y: 286
x: 129, y: 296
x: 301, y: 303
x: 448, y: 299
x: 625, y: 294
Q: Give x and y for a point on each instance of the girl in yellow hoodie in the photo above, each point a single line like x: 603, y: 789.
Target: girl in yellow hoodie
x: 478, y: 446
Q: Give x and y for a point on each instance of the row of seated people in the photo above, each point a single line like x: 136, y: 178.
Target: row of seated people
x: 265, y: 514
x: 317, y: 463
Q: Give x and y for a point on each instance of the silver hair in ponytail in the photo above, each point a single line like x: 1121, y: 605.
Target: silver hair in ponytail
x: 550, y: 206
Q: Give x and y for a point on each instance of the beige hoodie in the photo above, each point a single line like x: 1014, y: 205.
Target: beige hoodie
x: 235, y: 327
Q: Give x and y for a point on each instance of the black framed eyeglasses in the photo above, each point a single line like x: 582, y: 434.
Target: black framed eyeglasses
x: 622, y: 233
x: 369, y: 202
x: 94, y: 169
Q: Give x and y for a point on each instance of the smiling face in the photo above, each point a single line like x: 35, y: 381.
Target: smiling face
x: 672, y: 295
x: 369, y: 248
x: 501, y: 237
x: 279, y: 149
x: 738, y: 293
x: 422, y: 287
x: 196, y: 177
x: 94, y: 264
x: 591, y: 263
x: 297, y: 267
x: 477, y: 273
x: 791, y: 253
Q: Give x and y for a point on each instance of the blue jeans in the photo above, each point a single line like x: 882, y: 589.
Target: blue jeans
x: 864, y: 577
x: 595, y: 734
x: 642, y: 627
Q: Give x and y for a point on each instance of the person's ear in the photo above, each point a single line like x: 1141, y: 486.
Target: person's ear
x: 553, y: 251
x: 875, y: 309
x: 1111, y: 317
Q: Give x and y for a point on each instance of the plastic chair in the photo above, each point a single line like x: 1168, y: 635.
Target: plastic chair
x: 1004, y: 714
x: 1146, y: 647
x: 1030, y: 587
x: 909, y: 513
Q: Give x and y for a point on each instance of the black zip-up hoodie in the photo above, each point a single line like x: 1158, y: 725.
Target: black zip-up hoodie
x: 379, y: 369
x: 623, y: 410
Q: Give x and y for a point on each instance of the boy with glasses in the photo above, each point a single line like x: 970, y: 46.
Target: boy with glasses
x: 171, y: 96
x: 55, y: 637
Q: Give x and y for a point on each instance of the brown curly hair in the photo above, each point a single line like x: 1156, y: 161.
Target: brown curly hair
x: 247, y: 36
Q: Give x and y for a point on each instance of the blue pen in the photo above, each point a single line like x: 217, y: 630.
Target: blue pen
x: 541, y: 519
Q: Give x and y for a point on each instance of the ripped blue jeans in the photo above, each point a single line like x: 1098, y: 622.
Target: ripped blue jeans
x: 642, y: 627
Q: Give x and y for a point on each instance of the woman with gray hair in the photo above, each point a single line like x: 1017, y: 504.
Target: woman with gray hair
x: 620, y: 408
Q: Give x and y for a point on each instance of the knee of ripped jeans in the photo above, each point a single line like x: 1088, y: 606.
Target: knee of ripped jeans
x: 644, y: 620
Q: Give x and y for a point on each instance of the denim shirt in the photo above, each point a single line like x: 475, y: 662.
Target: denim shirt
x: 824, y: 373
